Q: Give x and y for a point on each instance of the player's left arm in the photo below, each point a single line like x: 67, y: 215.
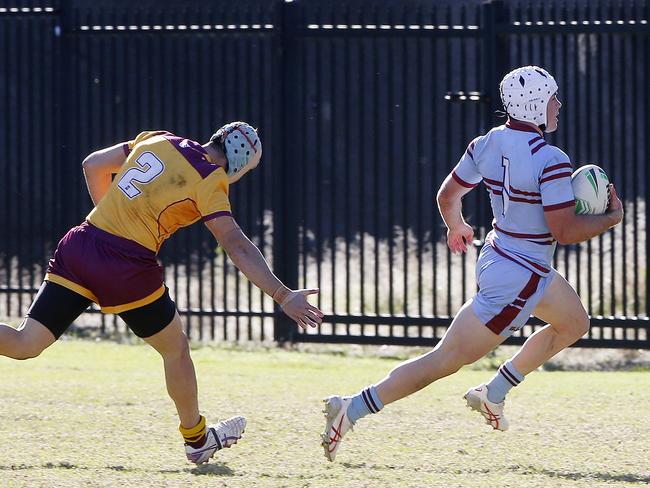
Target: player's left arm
x: 459, y: 233
x: 250, y: 261
x: 99, y: 167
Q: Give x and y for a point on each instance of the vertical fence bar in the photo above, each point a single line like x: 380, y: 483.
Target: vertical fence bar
x: 285, y: 221
x: 419, y: 155
x: 435, y: 99
x: 362, y: 180
x: 347, y: 152
x: 646, y: 123
x: 5, y: 137
x: 407, y: 162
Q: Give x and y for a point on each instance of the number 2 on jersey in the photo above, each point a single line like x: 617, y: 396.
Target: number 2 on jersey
x: 505, y: 193
x: 150, y: 168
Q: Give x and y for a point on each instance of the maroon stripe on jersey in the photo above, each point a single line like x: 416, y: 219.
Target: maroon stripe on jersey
x: 534, y: 265
x: 516, y: 125
x: 554, y: 177
x: 470, y: 148
x: 504, y: 318
x: 461, y: 181
x: 543, y: 243
x: 557, y: 166
x: 538, y: 147
x: 519, y: 303
x: 534, y: 140
x: 222, y: 213
x: 525, y: 193
x: 493, y: 182
x: 525, y: 200
x: 512, y: 189
x: 522, y: 236
x: 193, y: 154
x: 558, y: 206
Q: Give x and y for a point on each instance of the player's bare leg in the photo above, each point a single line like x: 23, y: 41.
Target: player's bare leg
x: 180, y: 376
x: 466, y: 341
x: 201, y: 440
x: 28, y: 341
x: 567, y: 321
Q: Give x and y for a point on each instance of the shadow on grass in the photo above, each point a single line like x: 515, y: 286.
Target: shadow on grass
x: 627, y: 478
x: 622, y: 478
x: 20, y: 467
x: 212, y: 469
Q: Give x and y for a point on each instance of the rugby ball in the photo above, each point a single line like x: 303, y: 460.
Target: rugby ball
x: 590, y: 187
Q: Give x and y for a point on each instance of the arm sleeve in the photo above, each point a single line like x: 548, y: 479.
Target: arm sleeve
x: 212, y: 196
x: 142, y: 136
x: 555, y: 184
x: 466, y: 172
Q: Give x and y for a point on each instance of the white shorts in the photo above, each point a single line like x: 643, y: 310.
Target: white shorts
x: 508, y: 292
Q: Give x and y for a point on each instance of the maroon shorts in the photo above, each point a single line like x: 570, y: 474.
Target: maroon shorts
x: 116, y: 273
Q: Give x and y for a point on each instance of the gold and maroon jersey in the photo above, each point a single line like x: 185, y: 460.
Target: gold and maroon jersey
x: 166, y: 183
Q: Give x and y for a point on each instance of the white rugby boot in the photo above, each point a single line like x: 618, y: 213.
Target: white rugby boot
x: 337, y: 424
x: 477, y: 400
x: 224, y: 434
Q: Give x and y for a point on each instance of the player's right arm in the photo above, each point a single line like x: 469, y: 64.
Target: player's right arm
x: 250, y: 261
x: 462, y: 179
x: 569, y: 228
x: 99, y: 167
x: 459, y: 233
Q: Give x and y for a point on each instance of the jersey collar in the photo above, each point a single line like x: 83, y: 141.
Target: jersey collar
x: 516, y: 125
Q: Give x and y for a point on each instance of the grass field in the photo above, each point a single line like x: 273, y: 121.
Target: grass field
x: 96, y: 414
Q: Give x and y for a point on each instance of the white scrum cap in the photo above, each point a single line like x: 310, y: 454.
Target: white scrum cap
x: 525, y: 93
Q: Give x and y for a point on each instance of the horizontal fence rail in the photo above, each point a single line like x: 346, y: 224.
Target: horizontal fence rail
x: 364, y: 107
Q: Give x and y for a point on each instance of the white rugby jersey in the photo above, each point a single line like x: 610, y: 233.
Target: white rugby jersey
x: 524, y: 176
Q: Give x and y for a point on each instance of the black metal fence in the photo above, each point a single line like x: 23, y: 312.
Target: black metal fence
x: 363, y: 107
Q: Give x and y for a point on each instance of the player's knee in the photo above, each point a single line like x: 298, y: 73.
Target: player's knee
x: 452, y: 359
x: 579, y: 324
x: 180, y: 351
x: 575, y: 326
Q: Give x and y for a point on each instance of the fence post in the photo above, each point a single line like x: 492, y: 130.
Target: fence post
x: 496, y: 57
x: 286, y: 166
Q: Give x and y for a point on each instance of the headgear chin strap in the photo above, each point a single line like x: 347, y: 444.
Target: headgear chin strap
x: 242, y: 147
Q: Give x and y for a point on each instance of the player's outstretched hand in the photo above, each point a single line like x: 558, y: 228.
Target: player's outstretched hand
x: 296, y: 306
x: 615, y: 206
x: 459, y: 238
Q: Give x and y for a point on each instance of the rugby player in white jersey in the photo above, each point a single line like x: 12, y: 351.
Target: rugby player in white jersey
x: 529, y: 183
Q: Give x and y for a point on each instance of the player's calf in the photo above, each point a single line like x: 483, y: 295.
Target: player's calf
x: 21, y: 343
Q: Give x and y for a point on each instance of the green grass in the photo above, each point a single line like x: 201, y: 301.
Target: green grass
x: 96, y: 414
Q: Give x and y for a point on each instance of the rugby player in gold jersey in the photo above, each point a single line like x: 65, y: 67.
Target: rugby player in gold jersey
x: 163, y: 182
